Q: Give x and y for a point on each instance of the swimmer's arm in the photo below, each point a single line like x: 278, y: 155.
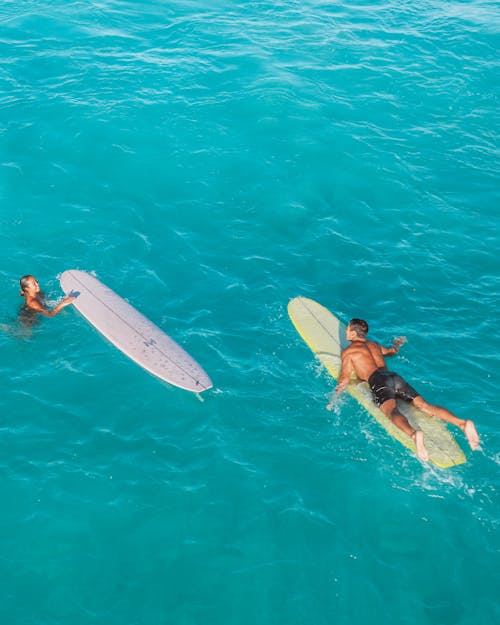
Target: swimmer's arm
x: 394, y: 348
x: 40, y: 308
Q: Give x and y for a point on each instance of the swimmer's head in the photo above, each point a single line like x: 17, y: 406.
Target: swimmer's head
x: 27, y: 284
x: 359, y: 327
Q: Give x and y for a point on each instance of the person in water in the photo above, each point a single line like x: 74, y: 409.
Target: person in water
x: 366, y: 359
x: 33, y: 298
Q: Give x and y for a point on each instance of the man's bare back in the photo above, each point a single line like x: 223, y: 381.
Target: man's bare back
x: 365, y: 357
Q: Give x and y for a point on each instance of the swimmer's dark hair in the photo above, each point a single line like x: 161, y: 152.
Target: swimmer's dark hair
x: 359, y: 326
x: 23, y: 282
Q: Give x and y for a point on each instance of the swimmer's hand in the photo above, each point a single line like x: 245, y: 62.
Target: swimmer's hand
x: 334, y: 401
x: 394, y: 348
x: 62, y: 304
x: 398, y: 341
x: 335, y: 404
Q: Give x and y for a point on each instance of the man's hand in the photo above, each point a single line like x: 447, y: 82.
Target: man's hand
x: 341, y: 386
x: 394, y: 348
x: 334, y: 402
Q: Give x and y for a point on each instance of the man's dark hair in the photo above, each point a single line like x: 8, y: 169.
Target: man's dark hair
x: 359, y: 326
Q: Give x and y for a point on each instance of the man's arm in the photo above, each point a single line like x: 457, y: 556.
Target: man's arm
x: 344, y: 377
x: 394, y: 348
x: 345, y: 373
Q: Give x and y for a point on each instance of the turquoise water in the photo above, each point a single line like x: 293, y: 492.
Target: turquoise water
x: 209, y: 161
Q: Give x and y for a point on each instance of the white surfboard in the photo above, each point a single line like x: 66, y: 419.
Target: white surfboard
x: 132, y: 333
x: 325, y: 335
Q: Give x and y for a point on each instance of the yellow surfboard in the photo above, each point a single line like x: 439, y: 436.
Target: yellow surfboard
x: 325, y: 335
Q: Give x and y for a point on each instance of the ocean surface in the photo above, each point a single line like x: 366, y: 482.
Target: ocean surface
x: 209, y: 161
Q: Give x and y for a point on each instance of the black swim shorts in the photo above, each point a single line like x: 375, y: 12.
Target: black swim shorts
x: 386, y: 385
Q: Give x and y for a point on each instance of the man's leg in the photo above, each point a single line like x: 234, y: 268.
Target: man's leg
x: 390, y: 409
x: 467, y: 427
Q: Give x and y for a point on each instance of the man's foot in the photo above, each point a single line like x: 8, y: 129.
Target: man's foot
x: 422, y: 452
x: 469, y: 429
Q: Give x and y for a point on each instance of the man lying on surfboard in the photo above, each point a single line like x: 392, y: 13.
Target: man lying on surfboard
x: 33, y: 298
x: 366, y: 359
